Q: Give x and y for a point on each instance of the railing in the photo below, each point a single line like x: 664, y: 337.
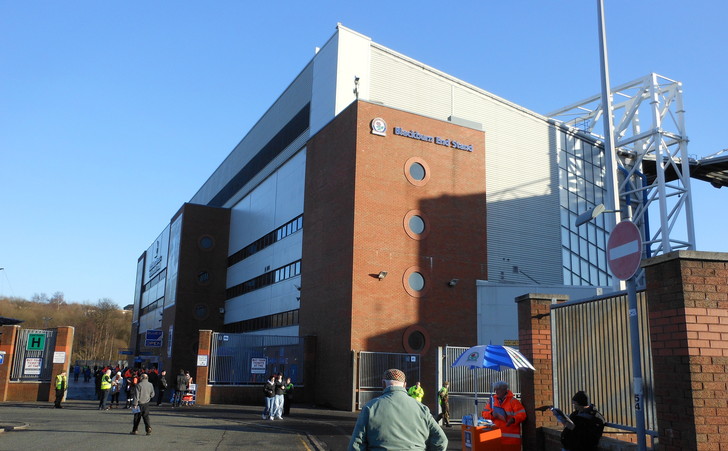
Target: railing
x: 244, y: 359
x: 372, y: 366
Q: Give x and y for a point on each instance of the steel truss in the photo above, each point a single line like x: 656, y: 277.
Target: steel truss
x: 651, y: 144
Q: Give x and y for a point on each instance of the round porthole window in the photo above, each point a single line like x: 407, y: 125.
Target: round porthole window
x: 414, y: 281
x: 416, y: 171
x: 206, y: 242
x: 201, y: 311
x: 416, y: 225
x: 416, y: 339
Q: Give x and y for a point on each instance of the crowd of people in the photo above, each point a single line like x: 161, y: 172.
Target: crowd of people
x: 111, y: 382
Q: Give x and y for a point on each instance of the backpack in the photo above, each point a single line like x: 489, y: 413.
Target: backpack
x: 589, y: 429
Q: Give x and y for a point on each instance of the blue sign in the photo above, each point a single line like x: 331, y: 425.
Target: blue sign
x: 153, y: 339
x: 153, y: 335
x: 126, y: 352
x: 2, y: 358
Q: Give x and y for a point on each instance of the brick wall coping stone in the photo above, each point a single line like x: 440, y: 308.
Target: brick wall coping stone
x: 686, y: 255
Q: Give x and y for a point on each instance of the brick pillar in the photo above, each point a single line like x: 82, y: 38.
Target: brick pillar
x: 203, y: 390
x: 687, y: 300
x: 8, y: 337
x: 534, y: 342
x: 64, y: 344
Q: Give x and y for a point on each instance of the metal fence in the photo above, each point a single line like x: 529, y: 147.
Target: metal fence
x: 244, y: 359
x: 592, y: 352
x: 33, y: 360
x: 463, y: 381
x: 372, y: 366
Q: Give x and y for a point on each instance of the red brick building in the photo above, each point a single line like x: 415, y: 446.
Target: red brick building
x: 361, y: 198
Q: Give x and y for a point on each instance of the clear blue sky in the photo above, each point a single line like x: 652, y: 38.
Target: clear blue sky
x: 112, y: 114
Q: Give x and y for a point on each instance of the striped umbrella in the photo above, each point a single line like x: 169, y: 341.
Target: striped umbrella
x: 492, y: 357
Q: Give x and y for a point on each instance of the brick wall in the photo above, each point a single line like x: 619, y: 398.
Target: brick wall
x: 32, y: 391
x: 534, y: 326
x: 687, y: 294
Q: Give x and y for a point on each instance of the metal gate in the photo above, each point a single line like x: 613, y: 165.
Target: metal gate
x: 372, y: 366
x: 591, y: 346
x: 33, y: 360
x: 462, y: 395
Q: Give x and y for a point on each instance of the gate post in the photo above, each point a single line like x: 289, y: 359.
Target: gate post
x: 202, y: 397
x: 64, y: 344
x: 8, y: 337
x: 534, y: 342
x: 687, y: 300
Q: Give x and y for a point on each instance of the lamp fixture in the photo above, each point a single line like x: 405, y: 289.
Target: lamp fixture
x: 453, y: 282
x: 382, y: 275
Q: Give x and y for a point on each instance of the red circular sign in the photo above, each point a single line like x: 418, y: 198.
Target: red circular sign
x: 624, y: 250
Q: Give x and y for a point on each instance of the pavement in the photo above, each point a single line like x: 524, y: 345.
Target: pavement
x: 80, y: 426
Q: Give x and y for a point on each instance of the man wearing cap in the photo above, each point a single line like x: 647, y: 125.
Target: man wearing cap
x: 395, y: 420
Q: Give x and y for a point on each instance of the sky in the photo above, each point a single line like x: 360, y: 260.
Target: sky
x: 113, y: 114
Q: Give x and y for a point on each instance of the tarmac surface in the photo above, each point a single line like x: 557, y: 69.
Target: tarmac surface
x: 80, y: 426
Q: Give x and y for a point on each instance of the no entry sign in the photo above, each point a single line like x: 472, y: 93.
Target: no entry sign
x: 624, y: 250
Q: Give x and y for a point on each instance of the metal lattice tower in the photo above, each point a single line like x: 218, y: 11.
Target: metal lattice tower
x: 650, y: 144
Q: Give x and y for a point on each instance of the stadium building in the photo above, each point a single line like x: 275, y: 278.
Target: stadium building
x: 378, y: 205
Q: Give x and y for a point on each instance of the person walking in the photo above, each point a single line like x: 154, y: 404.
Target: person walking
x: 395, y: 420
x: 417, y: 392
x: 507, y: 413
x: 143, y: 394
x: 287, y: 397
x: 180, y: 386
x: 443, y: 397
x: 61, y: 386
x: 162, y: 385
x: 76, y: 372
x: 280, y: 389
x: 104, y: 387
x: 270, y: 397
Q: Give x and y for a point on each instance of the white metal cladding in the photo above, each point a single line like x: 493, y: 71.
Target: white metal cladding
x: 591, y: 351
x: 521, y: 168
x: 400, y: 84
x: 293, y: 99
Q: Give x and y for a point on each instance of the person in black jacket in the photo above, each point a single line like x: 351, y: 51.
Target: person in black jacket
x: 162, y: 385
x: 584, y: 426
x: 270, y: 397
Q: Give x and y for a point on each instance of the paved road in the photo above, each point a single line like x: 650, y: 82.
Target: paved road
x: 79, y: 426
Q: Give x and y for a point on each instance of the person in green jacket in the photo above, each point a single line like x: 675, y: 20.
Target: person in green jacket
x: 61, y: 386
x: 417, y: 392
x: 104, y: 390
x: 443, y: 397
x: 396, y: 421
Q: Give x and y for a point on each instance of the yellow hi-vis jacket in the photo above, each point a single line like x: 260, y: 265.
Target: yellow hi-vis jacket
x: 61, y: 382
x: 416, y: 392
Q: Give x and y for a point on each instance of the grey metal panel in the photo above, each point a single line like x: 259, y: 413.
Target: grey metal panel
x: 295, y: 97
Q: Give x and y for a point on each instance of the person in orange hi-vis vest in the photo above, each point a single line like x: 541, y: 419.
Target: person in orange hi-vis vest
x: 507, y: 413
